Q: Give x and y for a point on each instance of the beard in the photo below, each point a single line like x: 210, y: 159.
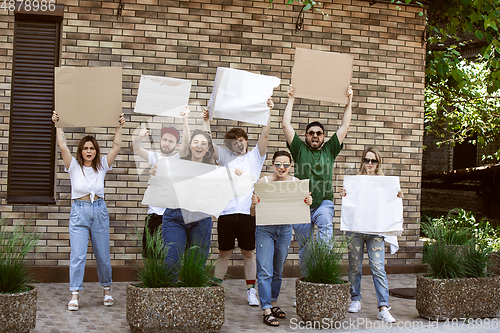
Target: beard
x: 166, y: 151
x: 309, y: 141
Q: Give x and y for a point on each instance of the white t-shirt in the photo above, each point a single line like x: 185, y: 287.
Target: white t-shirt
x: 86, y: 180
x: 153, y: 157
x: 251, y: 162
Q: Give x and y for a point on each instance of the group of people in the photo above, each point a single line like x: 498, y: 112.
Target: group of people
x: 264, y: 248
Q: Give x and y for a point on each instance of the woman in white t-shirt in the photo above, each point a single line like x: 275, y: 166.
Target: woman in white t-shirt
x: 89, y: 214
x: 272, y: 243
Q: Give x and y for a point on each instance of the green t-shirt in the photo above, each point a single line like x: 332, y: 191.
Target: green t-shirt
x: 317, y: 166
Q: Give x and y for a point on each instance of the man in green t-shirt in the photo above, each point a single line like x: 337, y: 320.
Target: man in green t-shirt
x: 314, y: 161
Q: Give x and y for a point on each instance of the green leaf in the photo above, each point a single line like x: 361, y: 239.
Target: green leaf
x: 490, y: 24
x: 457, y: 75
x: 479, y: 34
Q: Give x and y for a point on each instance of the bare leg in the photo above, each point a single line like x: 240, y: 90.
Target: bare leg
x: 250, y: 265
x: 222, y: 263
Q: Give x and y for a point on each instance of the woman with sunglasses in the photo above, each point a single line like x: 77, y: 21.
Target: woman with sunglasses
x: 371, y: 165
x: 272, y: 243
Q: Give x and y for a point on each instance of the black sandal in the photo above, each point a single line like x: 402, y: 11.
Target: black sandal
x: 270, y: 320
x: 278, y: 313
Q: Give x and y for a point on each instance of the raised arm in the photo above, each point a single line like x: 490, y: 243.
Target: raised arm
x: 206, y: 128
x: 61, y: 141
x: 287, y: 117
x: 117, y: 142
x: 186, y: 134
x: 264, y: 134
x: 346, y: 119
x: 135, y: 145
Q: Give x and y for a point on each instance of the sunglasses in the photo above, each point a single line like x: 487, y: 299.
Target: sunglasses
x: 318, y: 133
x: 369, y: 160
x: 286, y: 165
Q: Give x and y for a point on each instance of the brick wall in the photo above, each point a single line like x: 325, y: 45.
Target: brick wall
x: 189, y: 40
x: 436, y: 158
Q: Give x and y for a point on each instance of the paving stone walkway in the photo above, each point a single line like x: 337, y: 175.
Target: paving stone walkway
x: 53, y: 316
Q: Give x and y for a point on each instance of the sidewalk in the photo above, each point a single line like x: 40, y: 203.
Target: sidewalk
x: 53, y: 316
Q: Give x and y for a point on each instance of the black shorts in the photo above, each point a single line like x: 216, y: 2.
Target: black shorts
x: 153, y: 222
x: 236, y: 226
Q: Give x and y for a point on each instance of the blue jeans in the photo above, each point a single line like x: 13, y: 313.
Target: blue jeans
x: 272, y: 243
x: 177, y: 234
x: 86, y: 219
x: 376, y: 256
x: 322, y: 217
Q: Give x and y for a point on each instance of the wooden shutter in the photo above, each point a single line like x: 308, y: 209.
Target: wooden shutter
x: 31, y: 175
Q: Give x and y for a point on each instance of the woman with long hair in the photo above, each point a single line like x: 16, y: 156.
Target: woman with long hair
x: 89, y: 214
x: 181, y: 228
x: 272, y: 243
x: 371, y: 165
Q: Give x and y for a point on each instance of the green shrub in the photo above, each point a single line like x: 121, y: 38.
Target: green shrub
x: 476, y: 260
x: 154, y: 273
x: 15, y: 244
x: 323, y: 261
x: 195, y: 269
x: 450, y: 254
x: 465, y: 222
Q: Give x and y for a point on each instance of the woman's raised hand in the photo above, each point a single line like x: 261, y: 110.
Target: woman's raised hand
x: 185, y: 112
x: 270, y: 103
x: 55, y: 117
x: 343, y: 193
x: 291, y: 92
x: 121, y: 121
x: 204, y: 114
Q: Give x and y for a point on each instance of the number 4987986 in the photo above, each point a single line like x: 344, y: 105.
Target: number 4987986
x: 29, y: 5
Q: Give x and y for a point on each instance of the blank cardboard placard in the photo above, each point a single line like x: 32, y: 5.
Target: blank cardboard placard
x: 320, y: 75
x: 196, y: 187
x: 88, y: 96
x: 371, y: 205
x: 241, y: 95
x: 282, y: 202
x: 163, y: 96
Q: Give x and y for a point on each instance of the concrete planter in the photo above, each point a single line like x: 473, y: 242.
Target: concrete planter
x: 318, y: 301
x: 441, y: 299
x: 494, y: 267
x: 185, y: 309
x: 18, y: 311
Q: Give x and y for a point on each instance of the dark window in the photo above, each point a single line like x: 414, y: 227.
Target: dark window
x: 465, y: 154
x: 31, y: 175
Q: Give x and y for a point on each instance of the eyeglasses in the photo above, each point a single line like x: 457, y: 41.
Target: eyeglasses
x: 318, y: 133
x: 286, y: 165
x: 369, y: 160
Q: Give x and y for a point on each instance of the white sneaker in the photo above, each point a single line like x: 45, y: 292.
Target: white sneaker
x: 252, y: 297
x: 295, y: 304
x: 385, y: 315
x: 354, y: 307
